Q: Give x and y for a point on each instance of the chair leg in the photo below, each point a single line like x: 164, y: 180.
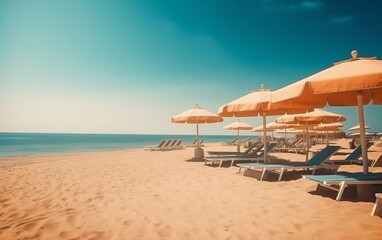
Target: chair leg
x: 263, y: 174
x: 341, y: 190
x: 377, y: 208
x: 220, y: 164
x: 281, y: 174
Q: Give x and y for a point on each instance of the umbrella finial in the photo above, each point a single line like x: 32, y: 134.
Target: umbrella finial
x: 354, y: 54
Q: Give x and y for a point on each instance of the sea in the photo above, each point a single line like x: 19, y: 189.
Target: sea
x: 28, y: 144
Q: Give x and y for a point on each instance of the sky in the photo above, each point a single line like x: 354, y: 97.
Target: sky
x: 91, y: 66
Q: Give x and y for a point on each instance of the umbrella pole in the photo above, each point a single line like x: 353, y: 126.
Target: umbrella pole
x: 197, y: 135
x: 238, y: 141
x: 327, y: 138
x: 361, y: 118
x: 307, y: 142
x: 265, y: 135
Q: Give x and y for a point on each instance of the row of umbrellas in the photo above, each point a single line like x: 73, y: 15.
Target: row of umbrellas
x: 353, y: 82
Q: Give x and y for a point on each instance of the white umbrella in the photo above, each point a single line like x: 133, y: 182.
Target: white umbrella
x: 357, y: 128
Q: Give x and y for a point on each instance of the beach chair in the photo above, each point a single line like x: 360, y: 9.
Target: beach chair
x: 353, y: 157
x: 166, y: 145
x: 230, y: 143
x: 338, y: 182
x: 256, y: 145
x: 175, y: 144
x: 377, y: 208
x: 256, y: 155
x: 193, y: 144
x: 316, y: 162
x: 160, y: 145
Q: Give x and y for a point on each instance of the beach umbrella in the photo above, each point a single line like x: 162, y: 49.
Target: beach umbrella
x: 357, y: 128
x: 353, y: 82
x: 260, y: 129
x: 256, y: 103
x: 197, y: 115
x: 281, y: 126
x: 238, y: 125
x: 329, y: 127
x: 358, y: 134
x: 311, y: 118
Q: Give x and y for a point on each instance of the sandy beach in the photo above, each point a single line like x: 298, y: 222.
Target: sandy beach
x: 138, y: 194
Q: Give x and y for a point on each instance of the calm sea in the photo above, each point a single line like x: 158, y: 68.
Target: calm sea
x: 25, y: 144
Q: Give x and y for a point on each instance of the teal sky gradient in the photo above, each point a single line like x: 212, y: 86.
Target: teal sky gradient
x: 128, y: 66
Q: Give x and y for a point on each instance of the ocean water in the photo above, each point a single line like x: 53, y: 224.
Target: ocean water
x: 26, y: 144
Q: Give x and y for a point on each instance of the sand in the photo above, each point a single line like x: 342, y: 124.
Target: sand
x: 137, y: 194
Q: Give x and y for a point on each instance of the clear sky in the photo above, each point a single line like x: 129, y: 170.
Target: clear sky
x: 91, y: 66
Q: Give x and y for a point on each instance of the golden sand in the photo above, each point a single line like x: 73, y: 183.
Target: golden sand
x: 137, y: 194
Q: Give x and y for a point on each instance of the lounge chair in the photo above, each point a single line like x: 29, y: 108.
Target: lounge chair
x: 316, y: 162
x: 353, y: 157
x: 230, y: 143
x: 160, y: 145
x: 342, y: 180
x: 193, y: 144
x: 255, y: 155
x: 297, y: 146
x: 175, y: 144
x: 255, y: 145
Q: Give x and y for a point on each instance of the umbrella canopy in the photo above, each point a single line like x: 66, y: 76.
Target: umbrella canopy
x: 254, y: 104
x: 238, y: 125
x: 329, y: 127
x: 196, y: 115
x: 357, y: 134
x: 354, y: 82
x: 357, y: 127
x: 311, y: 118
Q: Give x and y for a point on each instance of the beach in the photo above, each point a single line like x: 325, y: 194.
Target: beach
x: 138, y: 194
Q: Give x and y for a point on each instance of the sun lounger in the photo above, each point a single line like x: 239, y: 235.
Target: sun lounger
x: 255, y: 147
x: 193, y: 144
x: 340, y: 181
x: 175, y: 144
x: 253, y: 156
x: 353, y: 157
x: 230, y: 143
x: 377, y: 208
x: 316, y: 162
x: 160, y: 145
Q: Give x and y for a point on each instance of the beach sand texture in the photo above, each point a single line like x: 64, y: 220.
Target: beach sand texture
x: 137, y: 194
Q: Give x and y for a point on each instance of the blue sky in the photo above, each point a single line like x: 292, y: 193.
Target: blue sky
x: 128, y: 66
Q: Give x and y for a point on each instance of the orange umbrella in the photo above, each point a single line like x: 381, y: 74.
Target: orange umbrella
x: 197, y: 115
x: 329, y: 127
x: 353, y: 82
x: 238, y: 125
x: 254, y: 104
x: 311, y: 118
